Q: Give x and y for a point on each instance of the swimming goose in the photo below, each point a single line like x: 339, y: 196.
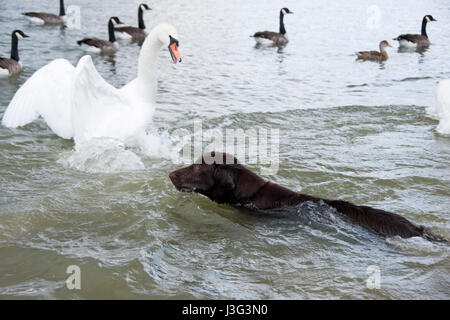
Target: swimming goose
x: 78, y: 103
x: 104, y: 46
x: 12, y: 66
x: 420, y: 40
x: 274, y: 38
x: 375, y: 55
x: 49, y: 18
x: 135, y: 33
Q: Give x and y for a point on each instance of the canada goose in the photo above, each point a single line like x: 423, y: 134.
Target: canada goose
x: 49, y: 18
x: 276, y: 38
x: 375, y: 55
x: 135, y: 33
x: 416, y: 39
x: 12, y: 66
x: 103, y: 45
x: 77, y: 102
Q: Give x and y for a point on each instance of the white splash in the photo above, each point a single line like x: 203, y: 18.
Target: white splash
x: 441, y: 111
x: 102, y: 155
x: 155, y: 144
x: 107, y: 155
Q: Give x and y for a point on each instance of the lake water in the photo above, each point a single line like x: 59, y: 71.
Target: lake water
x: 359, y: 131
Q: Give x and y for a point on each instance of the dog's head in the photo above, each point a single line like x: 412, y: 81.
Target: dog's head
x: 220, y: 177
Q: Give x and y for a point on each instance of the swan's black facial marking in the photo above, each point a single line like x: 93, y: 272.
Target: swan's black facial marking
x: 173, y: 40
x: 173, y: 49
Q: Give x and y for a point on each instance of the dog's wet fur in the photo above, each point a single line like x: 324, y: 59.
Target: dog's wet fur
x: 221, y: 178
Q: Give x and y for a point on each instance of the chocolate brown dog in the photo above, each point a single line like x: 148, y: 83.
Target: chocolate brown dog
x: 221, y: 178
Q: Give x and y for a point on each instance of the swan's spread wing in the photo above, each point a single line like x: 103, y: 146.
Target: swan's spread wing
x: 47, y: 93
x: 96, y: 104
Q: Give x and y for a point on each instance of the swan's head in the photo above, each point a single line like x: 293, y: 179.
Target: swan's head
x: 168, y: 36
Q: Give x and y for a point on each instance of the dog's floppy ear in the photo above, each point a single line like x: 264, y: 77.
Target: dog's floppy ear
x: 224, y: 183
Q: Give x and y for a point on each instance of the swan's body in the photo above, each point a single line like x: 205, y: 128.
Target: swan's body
x: 375, y: 55
x: 416, y: 40
x: 136, y: 34
x: 274, y: 38
x: 48, y: 18
x: 443, y: 106
x: 76, y: 102
x: 12, y: 66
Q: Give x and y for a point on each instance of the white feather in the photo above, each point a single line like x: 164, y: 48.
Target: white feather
x: 36, y: 20
x: 89, y: 48
x: 123, y: 35
x: 4, y: 72
x: 407, y: 44
x: 46, y: 94
x: 264, y: 41
x: 100, y: 110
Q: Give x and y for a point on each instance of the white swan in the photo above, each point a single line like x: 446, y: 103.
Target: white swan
x: 78, y: 103
x: 443, y: 106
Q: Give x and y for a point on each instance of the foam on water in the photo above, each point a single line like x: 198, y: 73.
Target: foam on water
x: 441, y: 111
x: 102, y: 155
x: 109, y: 155
x: 155, y: 144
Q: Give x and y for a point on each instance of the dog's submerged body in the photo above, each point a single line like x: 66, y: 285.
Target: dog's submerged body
x: 221, y: 178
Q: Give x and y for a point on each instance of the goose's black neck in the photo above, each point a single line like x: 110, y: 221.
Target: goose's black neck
x: 141, y: 18
x: 14, y: 48
x: 112, y: 36
x: 282, y: 29
x: 62, y: 11
x: 424, y: 27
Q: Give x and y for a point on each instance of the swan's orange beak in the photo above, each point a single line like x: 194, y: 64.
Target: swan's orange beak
x: 173, y: 49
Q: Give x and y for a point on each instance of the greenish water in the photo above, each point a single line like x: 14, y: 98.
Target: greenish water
x: 349, y: 130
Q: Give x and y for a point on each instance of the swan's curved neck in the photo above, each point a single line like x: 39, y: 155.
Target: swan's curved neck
x: 14, y: 48
x: 141, y: 18
x: 424, y: 27
x: 147, y: 64
x: 62, y: 11
x: 282, y: 29
x: 112, y: 36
